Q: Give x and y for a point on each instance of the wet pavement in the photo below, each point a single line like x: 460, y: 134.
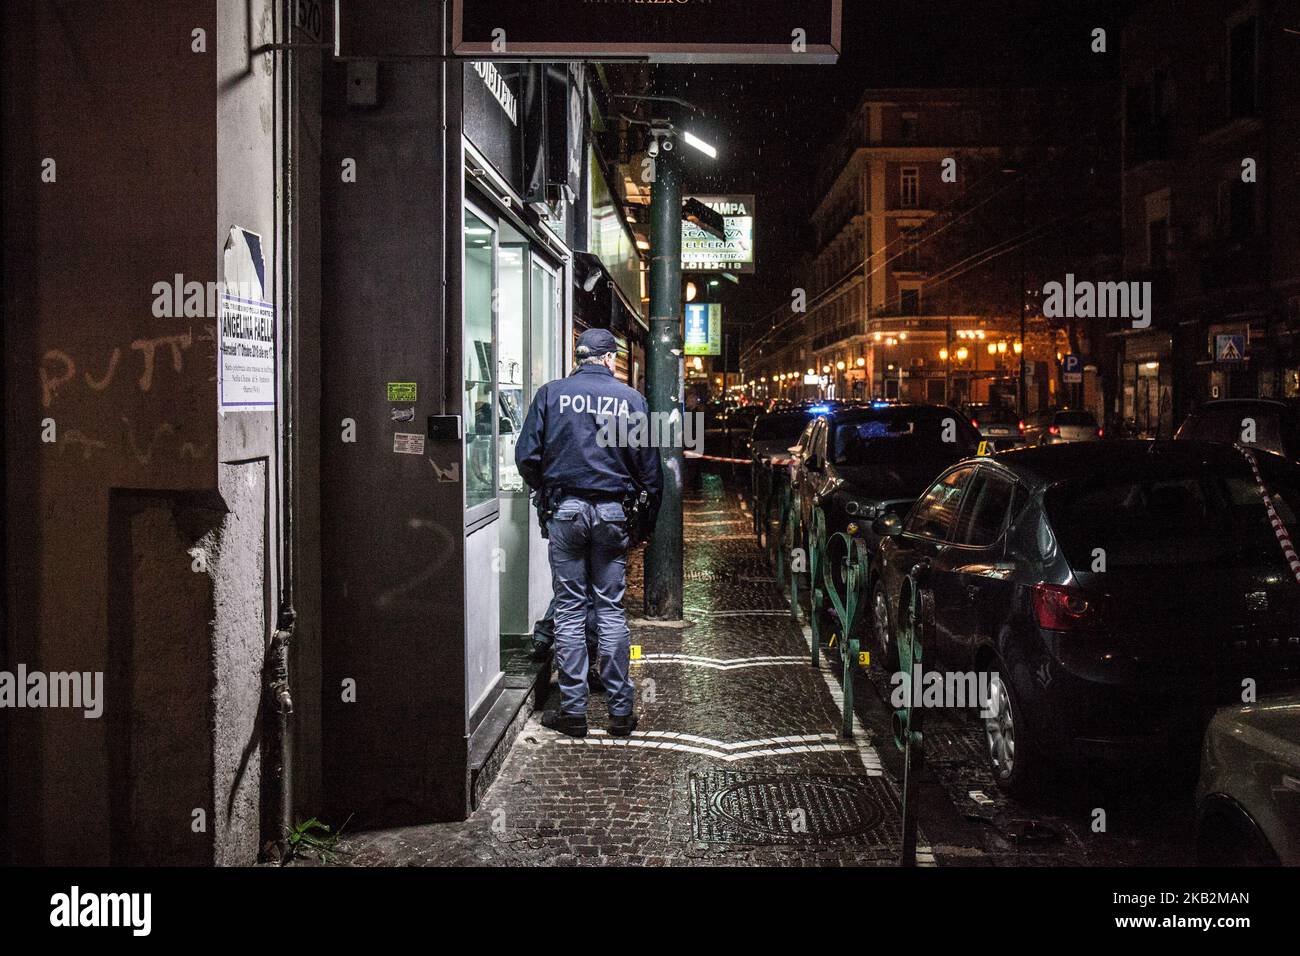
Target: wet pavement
x: 738, y: 758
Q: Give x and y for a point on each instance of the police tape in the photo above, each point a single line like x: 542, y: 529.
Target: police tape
x: 1279, y: 527
x: 715, y: 458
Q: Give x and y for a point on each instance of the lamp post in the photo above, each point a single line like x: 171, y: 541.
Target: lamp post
x: 664, y: 369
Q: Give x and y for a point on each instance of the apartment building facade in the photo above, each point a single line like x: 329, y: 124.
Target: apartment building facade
x: 935, y: 209
x: 1211, y: 198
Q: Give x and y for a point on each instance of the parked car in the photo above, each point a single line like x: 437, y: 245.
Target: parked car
x: 1052, y: 426
x: 1118, y: 590
x: 772, y: 434
x: 1262, y: 422
x: 1000, y: 424
x: 1248, y: 798
x: 857, y: 461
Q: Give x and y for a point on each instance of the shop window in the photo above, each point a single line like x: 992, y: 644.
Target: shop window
x: 511, y: 270
x: 479, y: 361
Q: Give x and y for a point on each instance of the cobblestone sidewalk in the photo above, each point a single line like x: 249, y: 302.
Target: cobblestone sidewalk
x: 737, y: 759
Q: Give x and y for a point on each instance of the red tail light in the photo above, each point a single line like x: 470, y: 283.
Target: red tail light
x: 975, y: 422
x: 1101, y: 433
x: 1060, y: 608
x: 1054, y: 429
x: 1022, y: 427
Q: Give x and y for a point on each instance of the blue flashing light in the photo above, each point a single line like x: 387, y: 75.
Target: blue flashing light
x: 820, y: 409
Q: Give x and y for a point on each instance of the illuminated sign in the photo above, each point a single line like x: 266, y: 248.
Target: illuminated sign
x: 703, y: 328
x: 704, y: 252
x: 681, y: 31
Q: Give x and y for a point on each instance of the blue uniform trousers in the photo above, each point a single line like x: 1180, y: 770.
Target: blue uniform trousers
x: 588, y: 552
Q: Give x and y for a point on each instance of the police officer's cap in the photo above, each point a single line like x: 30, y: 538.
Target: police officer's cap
x: 596, y: 342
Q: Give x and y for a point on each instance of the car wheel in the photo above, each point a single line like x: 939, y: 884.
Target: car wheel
x: 1009, y: 744
x: 882, y: 624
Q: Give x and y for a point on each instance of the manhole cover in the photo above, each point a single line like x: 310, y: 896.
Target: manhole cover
x: 730, y: 806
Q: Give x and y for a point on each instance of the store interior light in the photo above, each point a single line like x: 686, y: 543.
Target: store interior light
x: 691, y: 292
x: 694, y: 141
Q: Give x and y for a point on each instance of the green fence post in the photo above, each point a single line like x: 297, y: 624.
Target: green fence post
x: 816, y: 557
x: 854, y: 565
x: 915, y: 626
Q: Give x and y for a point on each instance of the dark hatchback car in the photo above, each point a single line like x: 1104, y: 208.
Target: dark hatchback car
x: 1118, y: 590
x: 1262, y: 422
x: 1000, y: 424
x: 856, y: 462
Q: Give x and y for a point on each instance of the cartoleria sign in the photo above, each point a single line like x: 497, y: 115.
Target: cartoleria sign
x: 667, y: 31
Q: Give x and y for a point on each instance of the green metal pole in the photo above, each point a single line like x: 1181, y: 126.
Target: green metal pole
x: 663, y: 556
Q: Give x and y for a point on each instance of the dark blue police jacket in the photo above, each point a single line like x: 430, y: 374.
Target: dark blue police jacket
x: 560, y: 444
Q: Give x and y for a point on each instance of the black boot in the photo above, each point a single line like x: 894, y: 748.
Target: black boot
x: 574, y: 725
x: 622, y: 726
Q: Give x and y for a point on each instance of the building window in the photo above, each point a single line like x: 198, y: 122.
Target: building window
x: 910, y: 193
x: 1237, y: 211
x: 909, y: 259
x: 1242, y: 58
x: 1146, y: 119
x: 907, y: 128
x: 1157, y: 243
x: 909, y: 302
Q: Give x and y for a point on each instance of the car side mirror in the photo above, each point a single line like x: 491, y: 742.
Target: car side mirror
x: 888, y: 525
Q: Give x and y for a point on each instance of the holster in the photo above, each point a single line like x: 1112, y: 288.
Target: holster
x: 636, y: 507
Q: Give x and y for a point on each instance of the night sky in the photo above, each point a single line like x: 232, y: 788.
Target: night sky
x: 771, y: 123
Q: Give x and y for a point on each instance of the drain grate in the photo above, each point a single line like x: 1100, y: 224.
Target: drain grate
x: 729, y: 806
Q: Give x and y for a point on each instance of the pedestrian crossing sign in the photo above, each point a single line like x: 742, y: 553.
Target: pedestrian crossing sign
x: 1229, y: 348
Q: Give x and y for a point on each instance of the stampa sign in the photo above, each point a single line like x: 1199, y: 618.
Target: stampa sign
x: 669, y: 31
x: 704, y: 252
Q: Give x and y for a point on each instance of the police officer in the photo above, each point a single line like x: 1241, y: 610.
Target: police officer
x: 565, y: 452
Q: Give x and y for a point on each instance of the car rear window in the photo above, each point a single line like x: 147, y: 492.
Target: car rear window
x: 1075, y: 418
x: 888, y: 433
x: 780, y: 427
x: 990, y: 415
x: 1171, y: 516
x: 1235, y: 423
